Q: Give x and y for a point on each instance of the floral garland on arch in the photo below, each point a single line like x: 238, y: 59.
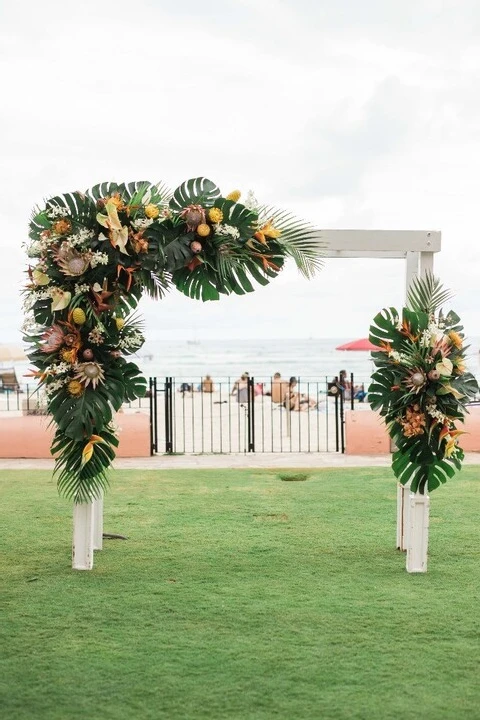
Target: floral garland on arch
x: 94, y: 254
x: 421, y: 385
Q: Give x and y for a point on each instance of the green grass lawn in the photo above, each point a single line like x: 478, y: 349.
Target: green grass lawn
x: 240, y: 595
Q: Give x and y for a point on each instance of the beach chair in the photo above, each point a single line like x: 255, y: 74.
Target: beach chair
x: 8, y: 381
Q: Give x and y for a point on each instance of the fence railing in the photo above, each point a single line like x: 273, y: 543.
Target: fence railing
x: 245, y: 416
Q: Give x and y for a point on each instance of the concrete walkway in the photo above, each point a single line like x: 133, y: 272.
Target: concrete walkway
x: 239, y: 460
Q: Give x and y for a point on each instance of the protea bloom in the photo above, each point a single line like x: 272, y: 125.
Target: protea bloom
x: 71, y: 262
x: 194, y: 215
x: 416, y: 379
x: 53, y: 339
x: 89, y: 372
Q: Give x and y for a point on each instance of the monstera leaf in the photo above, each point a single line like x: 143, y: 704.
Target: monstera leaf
x: 380, y: 390
x: 207, y: 282
x: 77, y: 480
x: 197, y: 191
x: 135, y: 384
x: 102, y: 190
x: 237, y: 215
x: 425, y: 477
x: 144, y: 192
x: 383, y: 328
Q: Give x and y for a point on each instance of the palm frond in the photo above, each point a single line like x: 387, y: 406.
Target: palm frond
x: 298, y: 238
x: 426, y: 294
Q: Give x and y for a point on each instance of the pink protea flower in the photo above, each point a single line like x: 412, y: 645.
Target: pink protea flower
x: 194, y: 215
x: 53, y: 339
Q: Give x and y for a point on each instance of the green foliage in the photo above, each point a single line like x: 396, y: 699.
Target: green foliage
x: 421, y: 386
x: 94, y: 254
x: 196, y: 191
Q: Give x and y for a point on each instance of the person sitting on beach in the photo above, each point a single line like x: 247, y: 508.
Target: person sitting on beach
x: 240, y: 388
x: 279, y: 388
x: 297, y: 401
x: 207, y: 385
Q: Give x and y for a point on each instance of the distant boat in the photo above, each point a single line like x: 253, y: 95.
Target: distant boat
x: 193, y: 342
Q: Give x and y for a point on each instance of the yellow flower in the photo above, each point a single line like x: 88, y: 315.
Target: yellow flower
x: 215, y: 215
x: 455, y: 339
x: 120, y: 322
x: 75, y: 388
x: 152, y: 211
x: 68, y: 356
x: 78, y: 316
x: 267, y: 231
x: 234, y: 195
x: 203, y: 230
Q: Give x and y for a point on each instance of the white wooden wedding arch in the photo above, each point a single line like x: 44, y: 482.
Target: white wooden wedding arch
x: 417, y: 248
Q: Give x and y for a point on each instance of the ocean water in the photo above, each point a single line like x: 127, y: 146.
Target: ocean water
x: 311, y: 359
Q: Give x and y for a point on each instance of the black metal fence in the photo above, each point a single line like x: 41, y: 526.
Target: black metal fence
x: 200, y: 417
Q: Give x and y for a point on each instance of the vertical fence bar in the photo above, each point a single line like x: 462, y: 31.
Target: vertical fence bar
x: 251, y: 413
x: 342, y: 422
x: 352, y: 393
x: 150, y: 399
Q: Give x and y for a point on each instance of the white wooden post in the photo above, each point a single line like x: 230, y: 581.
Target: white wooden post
x: 417, y: 546
x: 82, y: 546
x: 98, y: 523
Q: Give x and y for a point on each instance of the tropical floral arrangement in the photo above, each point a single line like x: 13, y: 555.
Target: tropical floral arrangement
x: 421, y: 385
x: 93, y: 255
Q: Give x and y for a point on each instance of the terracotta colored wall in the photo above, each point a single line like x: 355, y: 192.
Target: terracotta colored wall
x: 30, y: 437
x: 365, y: 433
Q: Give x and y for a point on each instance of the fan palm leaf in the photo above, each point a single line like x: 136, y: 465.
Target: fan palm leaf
x: 426, y: 294
x: 299, y: 239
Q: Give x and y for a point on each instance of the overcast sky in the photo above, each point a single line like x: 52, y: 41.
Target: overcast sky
x: 351, y: 114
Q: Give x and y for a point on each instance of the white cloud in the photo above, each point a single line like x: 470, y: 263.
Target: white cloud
x: 350, y: 114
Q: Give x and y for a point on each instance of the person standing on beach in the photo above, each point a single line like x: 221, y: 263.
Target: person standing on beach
x: 240, y: 388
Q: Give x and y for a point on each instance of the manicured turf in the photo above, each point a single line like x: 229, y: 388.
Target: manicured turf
x: 239, y: 595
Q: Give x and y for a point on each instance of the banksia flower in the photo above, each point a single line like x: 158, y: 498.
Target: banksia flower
x: 203, y: 230
x: 78, y: 316
x: 75, y: 388
x: 234, y: 196
x: 152, y: 211
x: 215, y: 215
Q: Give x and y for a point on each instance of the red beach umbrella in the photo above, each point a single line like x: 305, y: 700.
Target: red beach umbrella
x: 362, y: 344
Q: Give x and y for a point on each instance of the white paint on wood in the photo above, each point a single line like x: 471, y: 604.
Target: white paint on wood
x: 98, y: 523
x: 379, y: 243
x: 417, y: 545
x: 82, y: 546
x: 400, y: 501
